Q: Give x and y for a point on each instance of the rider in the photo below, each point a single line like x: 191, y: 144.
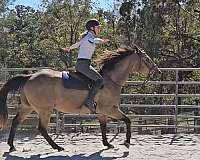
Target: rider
x: 87, y: 46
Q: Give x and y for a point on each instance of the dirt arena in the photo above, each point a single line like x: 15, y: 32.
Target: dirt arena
x: 89, y: 147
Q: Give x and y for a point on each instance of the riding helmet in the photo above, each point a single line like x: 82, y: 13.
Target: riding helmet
x: 92, y: 23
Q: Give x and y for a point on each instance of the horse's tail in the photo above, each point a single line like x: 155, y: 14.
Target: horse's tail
x: 11, y: 85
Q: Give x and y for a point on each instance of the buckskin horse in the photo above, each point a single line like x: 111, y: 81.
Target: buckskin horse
x: 44, y: 91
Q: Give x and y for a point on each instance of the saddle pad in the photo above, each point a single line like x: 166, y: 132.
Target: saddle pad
x: 71, y: 82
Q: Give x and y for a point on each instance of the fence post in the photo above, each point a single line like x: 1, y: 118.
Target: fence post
x: 196, y: 120
x: 176, y: 101
x: 57, y: 122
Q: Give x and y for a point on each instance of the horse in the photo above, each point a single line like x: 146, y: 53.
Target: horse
x: 43, y: 91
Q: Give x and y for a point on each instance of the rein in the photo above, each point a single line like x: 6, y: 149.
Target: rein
x: 143, y: 83
x: 136, y: 85
x: 115, y: 83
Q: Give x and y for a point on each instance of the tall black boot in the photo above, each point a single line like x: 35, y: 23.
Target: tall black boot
x: 90, y: 103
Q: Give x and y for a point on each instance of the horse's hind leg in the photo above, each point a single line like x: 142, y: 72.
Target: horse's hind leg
x: 43, y: 123
x: 117, y: 114
x: 19, y: 118
x: 103, y: 123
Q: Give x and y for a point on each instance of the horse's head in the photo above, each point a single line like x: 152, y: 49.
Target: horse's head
x: 118, y: 65
x: 145, y: 65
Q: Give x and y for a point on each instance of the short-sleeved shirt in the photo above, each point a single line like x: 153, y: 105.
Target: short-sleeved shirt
x: 87, y: 45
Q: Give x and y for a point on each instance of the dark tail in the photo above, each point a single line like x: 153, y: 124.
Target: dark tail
x: 11, y: 85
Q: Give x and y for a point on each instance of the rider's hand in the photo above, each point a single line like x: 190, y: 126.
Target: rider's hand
x: 67, y: 50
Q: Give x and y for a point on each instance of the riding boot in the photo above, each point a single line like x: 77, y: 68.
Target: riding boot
x: 90, y: 103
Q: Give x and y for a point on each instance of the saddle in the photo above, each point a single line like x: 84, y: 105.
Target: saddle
x: 76, y: 80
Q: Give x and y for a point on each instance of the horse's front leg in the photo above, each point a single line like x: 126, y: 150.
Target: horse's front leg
x: 103, y: 124
x: 128, y: 130
x: 119, y: 115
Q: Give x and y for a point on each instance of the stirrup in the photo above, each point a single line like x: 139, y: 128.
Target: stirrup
x: 91, y: 105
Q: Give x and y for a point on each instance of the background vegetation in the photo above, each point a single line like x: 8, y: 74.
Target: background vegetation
x: 168, y: 30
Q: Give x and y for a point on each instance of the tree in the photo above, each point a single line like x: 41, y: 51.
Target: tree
x: 127, y: 23
x: 4, y: 4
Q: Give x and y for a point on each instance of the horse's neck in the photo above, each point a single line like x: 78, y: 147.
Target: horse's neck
x: 121, y: 72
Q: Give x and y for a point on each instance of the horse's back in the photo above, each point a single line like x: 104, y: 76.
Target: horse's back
x: 39, y: 89
x: 45, y: 88
x: 46, y: 73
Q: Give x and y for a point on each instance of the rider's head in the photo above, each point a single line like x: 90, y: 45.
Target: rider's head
x: 93, y: 25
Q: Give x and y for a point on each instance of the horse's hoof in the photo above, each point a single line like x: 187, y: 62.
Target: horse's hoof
x: 12, y: 149
x: 60, y: 149
x: 127, y: 144
x: 108, y: 145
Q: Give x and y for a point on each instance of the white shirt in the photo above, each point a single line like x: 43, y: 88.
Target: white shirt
x: 87, y: 45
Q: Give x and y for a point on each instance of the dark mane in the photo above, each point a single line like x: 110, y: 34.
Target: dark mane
x: 110, y: 58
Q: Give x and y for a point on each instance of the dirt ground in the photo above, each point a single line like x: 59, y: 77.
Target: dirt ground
x: 89, y: 147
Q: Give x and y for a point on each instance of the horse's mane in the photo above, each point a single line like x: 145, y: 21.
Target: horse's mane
x: 110, y: 58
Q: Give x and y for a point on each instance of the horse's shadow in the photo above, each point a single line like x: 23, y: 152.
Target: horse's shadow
x: 94, y: 156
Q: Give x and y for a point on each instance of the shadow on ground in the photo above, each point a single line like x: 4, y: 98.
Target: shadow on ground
x: 94, y: 156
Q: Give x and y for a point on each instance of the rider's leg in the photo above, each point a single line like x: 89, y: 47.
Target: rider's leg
x: 83, y: 66
x: 90, y: 100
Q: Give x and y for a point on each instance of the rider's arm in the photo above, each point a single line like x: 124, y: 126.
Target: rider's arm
x: 98, y: 40
x: 75, y: 45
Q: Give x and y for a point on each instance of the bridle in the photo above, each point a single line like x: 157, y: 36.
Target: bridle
x: 143, y: 58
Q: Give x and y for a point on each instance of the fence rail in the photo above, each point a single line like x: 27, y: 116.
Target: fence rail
x: 139, y: 119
